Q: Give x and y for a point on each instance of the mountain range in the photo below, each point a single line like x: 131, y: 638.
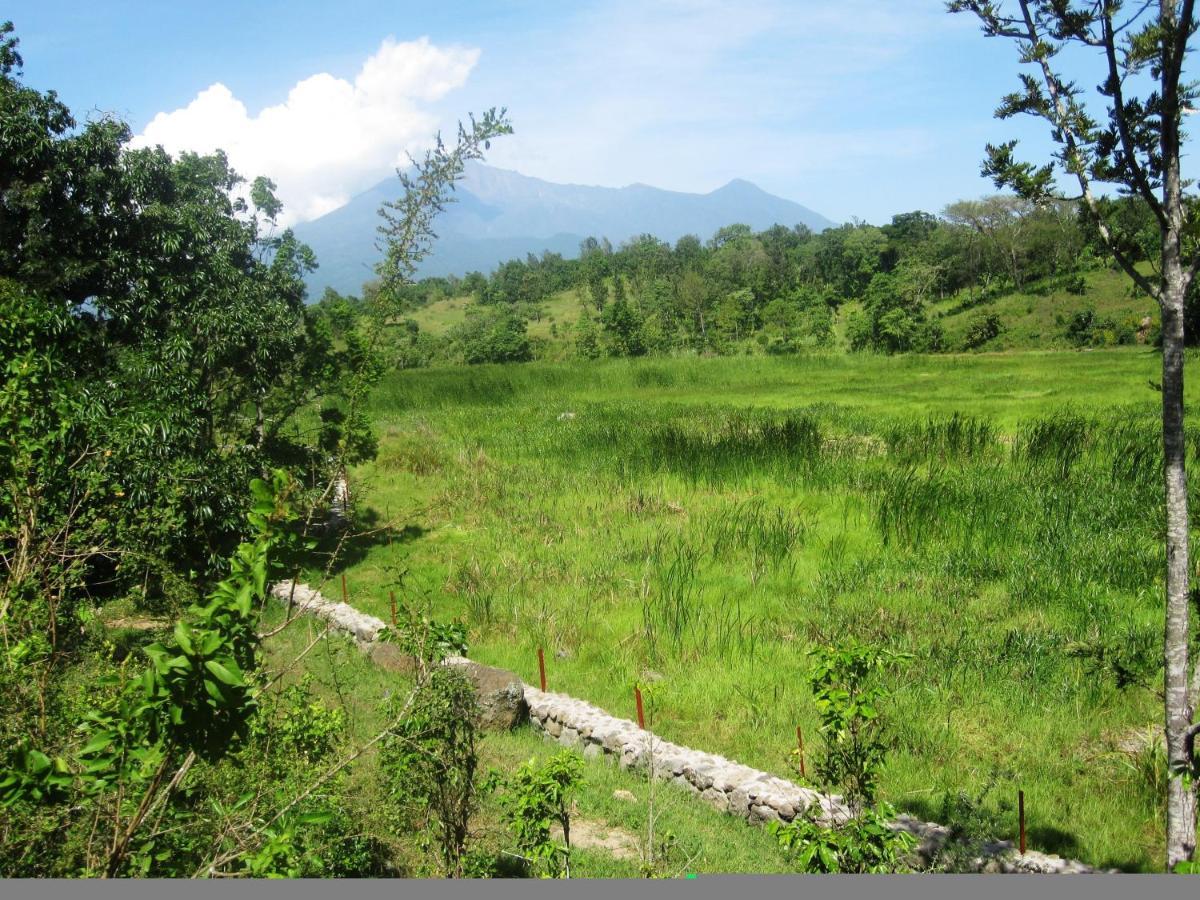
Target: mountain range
x: 500, y: 215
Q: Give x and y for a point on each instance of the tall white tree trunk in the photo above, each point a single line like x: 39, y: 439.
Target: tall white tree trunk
x: 1181, y: 798
x: 1181, y: 795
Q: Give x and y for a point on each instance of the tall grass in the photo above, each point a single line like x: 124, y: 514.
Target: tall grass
x: 711, y: 519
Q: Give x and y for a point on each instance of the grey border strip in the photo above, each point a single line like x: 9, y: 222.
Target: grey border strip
x: 798, y: 887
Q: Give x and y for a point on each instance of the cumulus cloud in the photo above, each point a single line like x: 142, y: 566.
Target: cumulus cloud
x: 331, y: 137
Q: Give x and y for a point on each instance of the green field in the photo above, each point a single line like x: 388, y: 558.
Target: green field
x: 699, y: 523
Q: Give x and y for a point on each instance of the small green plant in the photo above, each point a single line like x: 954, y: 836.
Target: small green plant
x: 865, y: 844
x: 972, y: 826
x: 534, y: 799
x: 427, y: 640
x: 848, y: 696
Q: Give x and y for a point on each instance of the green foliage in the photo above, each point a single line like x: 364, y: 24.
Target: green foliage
x: 848, y: 696
x: 865, y: 844
x: 407, y: 228
x: 982, y: 328
x: 491, y: 335
x: 972, y: 827
x: 306, y: 729
x: 534, y: 798
x: 195, y: 699
x: 167, y: 317
x: 621, y: 328
x: 430, y: 759
x: 425, y: 639
x: 1087, y: 329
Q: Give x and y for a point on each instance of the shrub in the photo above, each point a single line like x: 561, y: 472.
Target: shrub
x: 981, y: 328
x: 430, y: 758
x: 848, y: 695
x: 536, y: 797
x: 491, y: 335
x: 865, y: 844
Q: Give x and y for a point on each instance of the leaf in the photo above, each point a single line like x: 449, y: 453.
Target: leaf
x: 184, y: 637
x: 224, y: 673
x: 99, y: 741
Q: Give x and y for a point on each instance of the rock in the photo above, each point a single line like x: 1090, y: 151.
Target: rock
x: 500, y: 693
x: 760, y: 814
x: 391, y: 658
x: 592, y: 751
x: 716, y: 799
x: 626, y: 796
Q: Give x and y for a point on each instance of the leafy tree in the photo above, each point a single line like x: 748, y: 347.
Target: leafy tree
x: 430, y: 758
x: 622, y: 328
x: 1136, y: 148
x: 189, y: 345
x: 1003, y: 220
x: 491, y: 335
x: 587, y: 337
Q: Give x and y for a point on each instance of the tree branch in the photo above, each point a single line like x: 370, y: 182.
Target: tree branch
x: 1072, y: 154
x: 1118, y: 114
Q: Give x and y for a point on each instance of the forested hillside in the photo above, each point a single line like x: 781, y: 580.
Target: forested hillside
x: 993, y: 274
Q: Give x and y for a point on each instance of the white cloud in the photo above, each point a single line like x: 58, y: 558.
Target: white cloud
x: 330, y: 138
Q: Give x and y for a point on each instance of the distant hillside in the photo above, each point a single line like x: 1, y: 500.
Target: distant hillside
x: 501, y: 215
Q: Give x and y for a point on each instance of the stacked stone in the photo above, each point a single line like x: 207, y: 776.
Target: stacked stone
x: 342, y: 616
x: 733, y: 788
x: 724, y: 784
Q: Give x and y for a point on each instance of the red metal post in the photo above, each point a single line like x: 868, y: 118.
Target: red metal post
x: 637, y: 693
x: 542, y: 668
x: 800, y: 745
x: 1021, y: 816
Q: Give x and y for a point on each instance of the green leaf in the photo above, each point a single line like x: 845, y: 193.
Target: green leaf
x: 224, y: 673
x: 100, y: 741
x: 184, y: 637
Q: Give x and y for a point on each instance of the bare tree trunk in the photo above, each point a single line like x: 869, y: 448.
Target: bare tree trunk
x: 1181, y: 800
x: 1181, y: 795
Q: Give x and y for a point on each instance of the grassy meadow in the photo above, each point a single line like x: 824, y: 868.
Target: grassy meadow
x: 697, y: 524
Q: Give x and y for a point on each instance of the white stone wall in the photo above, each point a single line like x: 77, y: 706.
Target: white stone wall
x: 725, y: 785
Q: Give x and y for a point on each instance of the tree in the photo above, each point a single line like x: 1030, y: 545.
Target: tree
x: 1137, y: 151
x: 430, y: 758
x: 491, y: 335
x: 189, y: 346
x: 1002, y: 220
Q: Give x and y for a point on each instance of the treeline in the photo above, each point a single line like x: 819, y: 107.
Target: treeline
x: 776, y: 290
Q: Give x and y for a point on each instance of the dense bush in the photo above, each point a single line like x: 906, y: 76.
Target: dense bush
x: 491, y: 335
x: 982, y: 328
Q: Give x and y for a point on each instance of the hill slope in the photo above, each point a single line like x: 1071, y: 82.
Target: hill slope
x: 501, y: 215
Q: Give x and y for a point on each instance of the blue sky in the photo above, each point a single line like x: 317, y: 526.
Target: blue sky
x: 857, y: 109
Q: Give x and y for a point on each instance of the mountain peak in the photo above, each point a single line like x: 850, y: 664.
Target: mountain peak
x: 501, y: 215
x: 739, y: 185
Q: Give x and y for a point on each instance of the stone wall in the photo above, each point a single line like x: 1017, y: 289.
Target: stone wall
x: 736, y: 789
x: 725, y: 785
